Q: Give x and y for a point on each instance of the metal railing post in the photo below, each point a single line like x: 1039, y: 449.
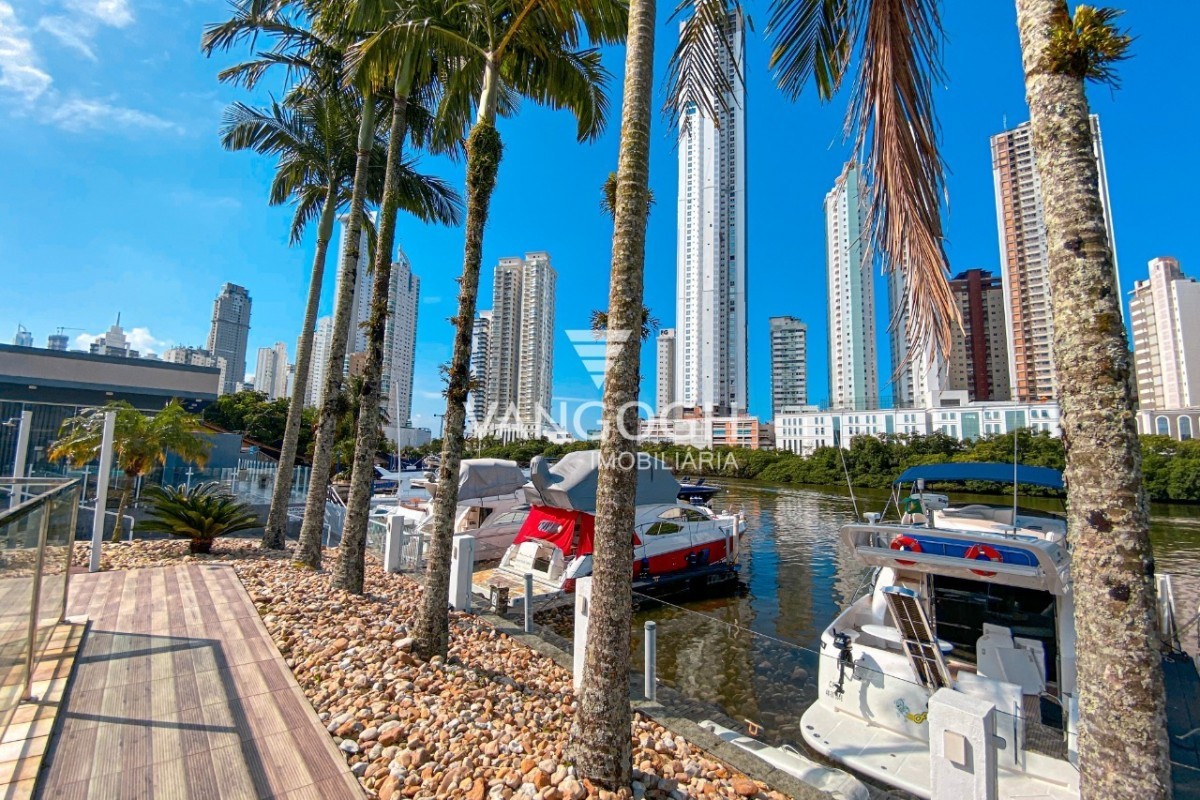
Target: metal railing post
x: 651, y: 687
x: 529, y: 602
x: 36, y: 602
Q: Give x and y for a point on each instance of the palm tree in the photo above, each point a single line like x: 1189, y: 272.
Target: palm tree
x: 140, y: 441
x: 200, y: 513
x: 314, y: 139
x: 1123, y: 746
x: 600, y: 743
x: 402, y: 63
x: 510, y: 48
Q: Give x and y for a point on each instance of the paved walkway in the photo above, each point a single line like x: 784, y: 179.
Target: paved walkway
x: 179, y: 692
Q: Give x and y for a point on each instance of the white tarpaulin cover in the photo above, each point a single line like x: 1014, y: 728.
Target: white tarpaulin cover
x: 488, y: 477
x: 571, y: 481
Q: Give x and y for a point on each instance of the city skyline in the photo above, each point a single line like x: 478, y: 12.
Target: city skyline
x: 212, y: 222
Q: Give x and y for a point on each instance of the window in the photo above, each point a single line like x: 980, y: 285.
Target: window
x: 1162, y: 426
x: 1185, y: 428
x: 663, y: 529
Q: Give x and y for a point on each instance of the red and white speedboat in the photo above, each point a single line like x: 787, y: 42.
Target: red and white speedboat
x: 674, y: 544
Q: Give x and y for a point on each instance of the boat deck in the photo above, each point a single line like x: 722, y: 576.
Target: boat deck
x: 1183, y: 722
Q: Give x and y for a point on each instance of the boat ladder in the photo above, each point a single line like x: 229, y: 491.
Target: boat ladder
x: 920, y: 645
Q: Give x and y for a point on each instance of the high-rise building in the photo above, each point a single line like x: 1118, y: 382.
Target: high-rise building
x: 314, y: 395
x: 360, y: 306
x: 979, y: 354
x: 113, y: 343
x: 270, y: 374
x: 1023, y: 253
x: 710, y: 311
x: 191, y: 356
x: 1164, y: 312
x: 918, y: 377
x: 57, y: 341
x: 789, y: 364
x: 479, y: 360
x: 229, y: 332
x: 400, y: 341
x: 24, y: 337
x: 520, y: 360
x: 665, y: 384
x: 853, y: 367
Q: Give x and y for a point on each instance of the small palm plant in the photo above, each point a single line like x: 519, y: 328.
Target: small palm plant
x: 200, y: 513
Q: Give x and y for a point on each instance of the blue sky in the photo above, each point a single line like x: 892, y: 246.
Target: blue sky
x: 118, y: 197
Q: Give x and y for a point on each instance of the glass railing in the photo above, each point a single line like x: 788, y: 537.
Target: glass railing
x: 37, y: 528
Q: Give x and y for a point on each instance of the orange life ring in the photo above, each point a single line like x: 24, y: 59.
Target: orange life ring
x: 906, y: 543
x: 990, y: 553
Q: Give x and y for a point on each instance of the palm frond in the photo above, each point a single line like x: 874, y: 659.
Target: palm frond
x: 428, y: 198
x: 703, y: 71
x: 561, y: 78
x: 811, y: 40
x: 1087, y: 45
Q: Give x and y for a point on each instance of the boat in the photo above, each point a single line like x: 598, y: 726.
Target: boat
x: 491, y: 505
x: 676, y: 546
x: 973, y: 598
x: 696, y: 492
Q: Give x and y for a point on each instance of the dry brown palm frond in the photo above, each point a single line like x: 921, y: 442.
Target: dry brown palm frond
x: 895, y: 129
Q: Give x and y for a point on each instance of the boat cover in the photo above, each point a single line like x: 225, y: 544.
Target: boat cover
x: 488, y: 477
x: 571, y: 481
x: 983, y: 471
x: 572, y: 532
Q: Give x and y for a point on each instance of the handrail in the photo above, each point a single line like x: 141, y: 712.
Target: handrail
x: 25, y: 507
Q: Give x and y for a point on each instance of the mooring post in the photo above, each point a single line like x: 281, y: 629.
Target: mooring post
x: 529, y: 602
x: 651, y: 688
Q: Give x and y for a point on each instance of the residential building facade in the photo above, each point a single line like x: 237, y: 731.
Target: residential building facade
x: 271, y: 371
x: 314, y: 395
x: 789, y: 364
x: 191, y: 356
x: 664, y: 385
x: 1021, y: 221
x: 229, y: 333
x: 853, y: 358
x: 400, y: 342
x: 113, y: 343
x: 1164, y: 312
x: 480, y: 331
x: 979, y: 355
x: 710, y: 313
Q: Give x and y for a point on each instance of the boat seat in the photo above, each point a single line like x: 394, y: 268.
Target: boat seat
x: 1000, y: 658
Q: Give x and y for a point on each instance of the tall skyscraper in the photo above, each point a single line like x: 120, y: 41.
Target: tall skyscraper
x: 1023, y: 254
x: 400, y: 341
x: 57, y: 341
x: 520, y: 361
x: 322, y: 343
x: 853, y: 367
x: 480, y: 331
x: 917, y: 380
x: 710, y: 311
x: 979, y: 355
x: 789, y: 364
x: 24, y: 337
x: 113, y: 343
x: 665, y: 384
x: 229, y: 332
x: 271, y: 369
x: 356, y: 340
x: 1164, y: 312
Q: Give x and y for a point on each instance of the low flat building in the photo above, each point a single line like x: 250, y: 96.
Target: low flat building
x: 1180, y: 424
x: 55, y: 385
x: 804, y: 431
x: 704, y: 432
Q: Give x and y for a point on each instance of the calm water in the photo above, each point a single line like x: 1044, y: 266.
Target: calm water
x: 754, y: 655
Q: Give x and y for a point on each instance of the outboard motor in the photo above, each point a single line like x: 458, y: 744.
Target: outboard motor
x: 841, y: 641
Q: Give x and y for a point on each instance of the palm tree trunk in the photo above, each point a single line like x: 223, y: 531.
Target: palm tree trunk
x: 275, y: 534
x: 1123, y: 747
x: 309, y: 550
x: 484, y: 150
x: 349, y: 573
x: 600, y: 745
x: 126, y: 491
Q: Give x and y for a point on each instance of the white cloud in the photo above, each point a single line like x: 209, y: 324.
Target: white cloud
x: 79, y: 114
x: 72, y: 32
x: 83, y: 19
x: 114, y: 13
x: 139, y: 339
x: 20, y: 71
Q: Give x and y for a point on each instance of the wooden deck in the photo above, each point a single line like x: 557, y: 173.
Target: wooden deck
x: 179, y: 693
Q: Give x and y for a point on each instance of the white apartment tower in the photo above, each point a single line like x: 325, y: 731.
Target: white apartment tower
x: 665, y: 385
x: 400, y: 342
x: 710, y: 311
x: 229, y: 332
x: 1021, y: 221
x: 479, y: 358
x: 322, y: 342
x: 1164, y: 312
x: 916, y: 380
x: 360, y: 306
x: 853, y: 370
x: 789, y: 364
x: 270, y: 373
x: 520, y: 348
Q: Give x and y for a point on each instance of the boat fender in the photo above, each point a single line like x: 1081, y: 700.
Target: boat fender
x: 975, y: 551
x: 908, y: 544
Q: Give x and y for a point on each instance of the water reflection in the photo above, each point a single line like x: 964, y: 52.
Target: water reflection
x: 754, y: 655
